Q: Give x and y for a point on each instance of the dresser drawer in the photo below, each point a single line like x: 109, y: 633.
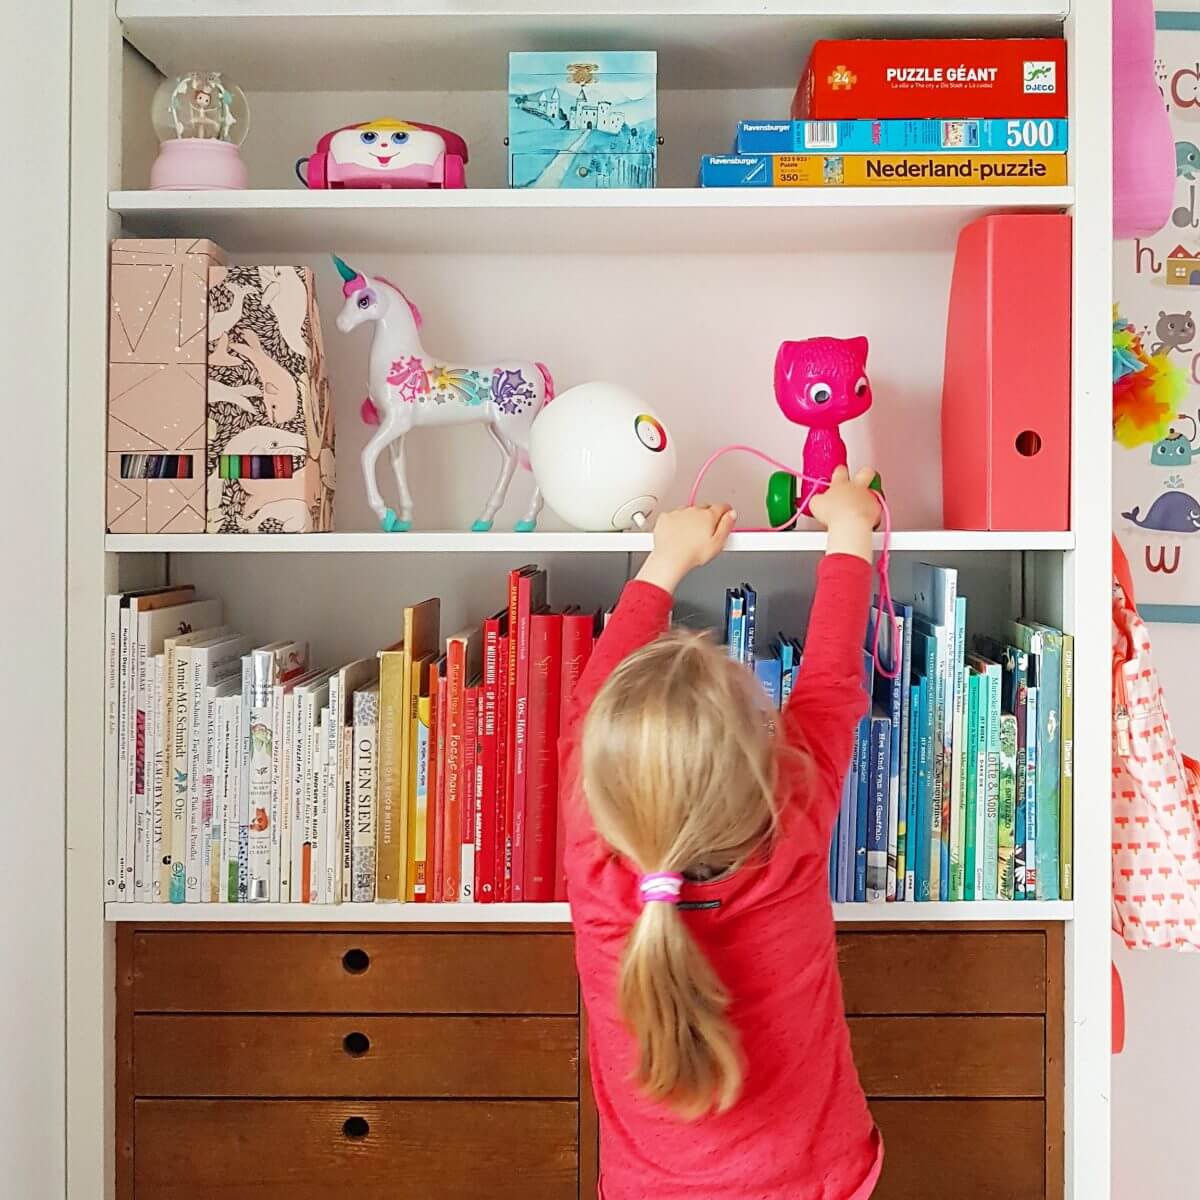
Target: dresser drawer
x: 373, y: 1056
x: 931, y: 971
x: 950, y: 1056
x: 354, y: 971
x: 962, y: 1149
x: 389, y: 1150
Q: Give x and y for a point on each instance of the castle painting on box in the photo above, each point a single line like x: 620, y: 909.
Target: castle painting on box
x: 583, y: 120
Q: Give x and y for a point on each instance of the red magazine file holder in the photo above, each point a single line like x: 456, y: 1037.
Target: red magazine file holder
x: 1006, y: 392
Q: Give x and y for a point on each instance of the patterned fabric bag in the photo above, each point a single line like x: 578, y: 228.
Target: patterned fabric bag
x: 1155, y: 796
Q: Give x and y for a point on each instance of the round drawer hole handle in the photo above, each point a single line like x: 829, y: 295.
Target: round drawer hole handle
x: 356, y: 1128
x: 356, y: 1044
x: 356, y: 961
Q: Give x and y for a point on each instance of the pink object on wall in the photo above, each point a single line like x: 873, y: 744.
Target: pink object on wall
x: 1006, y: 449
x: 1118, y: 1012
x: 1143, y: 147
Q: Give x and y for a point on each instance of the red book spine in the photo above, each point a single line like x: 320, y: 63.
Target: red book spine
x: 468, y: 792
x: 485, y: 857
x: 431, y: 850
x: 503, y: 844
x: 541, y: 805
x: 438, y: 796
x: 529, y: 598
x: 456, y: 653
x: 578, y: 640
x: 510, y: 729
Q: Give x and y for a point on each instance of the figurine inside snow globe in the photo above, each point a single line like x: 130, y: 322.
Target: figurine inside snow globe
x: 201, y: 119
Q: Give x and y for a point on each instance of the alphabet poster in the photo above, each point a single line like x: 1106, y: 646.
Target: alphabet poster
x: 1156, y: 487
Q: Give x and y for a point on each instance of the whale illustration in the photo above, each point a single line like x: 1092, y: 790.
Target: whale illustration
x: 1172, y: 512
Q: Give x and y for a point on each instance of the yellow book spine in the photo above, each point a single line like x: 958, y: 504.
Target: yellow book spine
x: 390, y: 855
x: 919, y: 170
x: 418, y: 821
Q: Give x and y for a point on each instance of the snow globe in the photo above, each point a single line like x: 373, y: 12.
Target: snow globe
x: 201, y: 119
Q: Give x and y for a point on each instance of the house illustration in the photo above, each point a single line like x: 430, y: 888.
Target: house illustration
x: 544, y: 104
x: 1183, y: 267
x: 600, y: 115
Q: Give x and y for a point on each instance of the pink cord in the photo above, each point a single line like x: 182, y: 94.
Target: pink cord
x: 881, y: 565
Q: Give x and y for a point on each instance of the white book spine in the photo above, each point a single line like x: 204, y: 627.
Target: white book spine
x: 142, y: 802
x: 143, y: 886
x: 124, y: 768
x: 299, y: 828
x: 331, y: 843
x: 220, y: 758
x: 346, y: 814
x: 208, y: 790
x: 232, y: 841
x: 261, y: 754
x: 158, y: 781
x: 317, y: 807
x: 180, y: 760
x: 277, y: 798
x: 112, y: 722
x: 287, y: 728
x: 197, y: 721
x: 308, y: 737
x: 366, y: 717
x: 243, y: 842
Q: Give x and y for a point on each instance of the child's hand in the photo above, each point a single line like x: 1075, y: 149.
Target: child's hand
x: 685, y: 539
x: 850, y: 510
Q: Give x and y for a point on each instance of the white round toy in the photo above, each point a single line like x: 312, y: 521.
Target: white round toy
x: 601, y: 457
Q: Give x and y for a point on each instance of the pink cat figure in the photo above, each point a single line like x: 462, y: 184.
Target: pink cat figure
x: 821, y: 382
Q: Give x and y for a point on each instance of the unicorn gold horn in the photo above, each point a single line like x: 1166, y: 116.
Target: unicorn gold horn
x: 348, y: 273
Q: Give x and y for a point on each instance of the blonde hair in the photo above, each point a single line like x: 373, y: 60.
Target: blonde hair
x: 679, y: 774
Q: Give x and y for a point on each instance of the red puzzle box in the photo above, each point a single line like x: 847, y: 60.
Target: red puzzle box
x: 1007, y: 78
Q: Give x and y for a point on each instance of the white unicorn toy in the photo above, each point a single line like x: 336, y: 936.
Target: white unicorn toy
x: 407, y: 387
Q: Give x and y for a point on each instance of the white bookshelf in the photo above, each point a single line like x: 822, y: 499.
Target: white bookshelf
x: 543, y: 914
x: 680, y: 292
x: 496, y: 220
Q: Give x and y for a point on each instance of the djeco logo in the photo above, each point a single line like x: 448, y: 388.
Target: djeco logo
x: 1040, y: 77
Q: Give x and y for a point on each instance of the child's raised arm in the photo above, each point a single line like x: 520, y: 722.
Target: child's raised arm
x: 683, y: 540
x: 829, y: 698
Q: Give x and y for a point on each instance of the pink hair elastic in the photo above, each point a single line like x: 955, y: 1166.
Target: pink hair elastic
x: 662, y: 885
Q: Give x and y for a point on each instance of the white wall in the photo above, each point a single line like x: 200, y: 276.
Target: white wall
x: 33, y: 210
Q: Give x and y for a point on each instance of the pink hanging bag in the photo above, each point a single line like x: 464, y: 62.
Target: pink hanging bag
x: 1155, y: 796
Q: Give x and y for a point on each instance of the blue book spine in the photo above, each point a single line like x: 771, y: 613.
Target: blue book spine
x: 991, y: 848
x: 929, y: 135
x: 787, y: 668
x: 737, y: 624
x: 862, y: 818
x: 769, y: 673
x: 750, y: 599
x: 910, y: 823
x: 1032, y: 769
x: 904, y: 615
x: 877, y: 803
x: 845, y: 871
x: 924, y: 773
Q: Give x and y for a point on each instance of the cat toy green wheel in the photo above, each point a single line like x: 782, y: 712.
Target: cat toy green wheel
x: 781, y: 499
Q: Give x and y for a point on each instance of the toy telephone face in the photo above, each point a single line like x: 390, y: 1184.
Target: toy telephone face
x: 384, y: 146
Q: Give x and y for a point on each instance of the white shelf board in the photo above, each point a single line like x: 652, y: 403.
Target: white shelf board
x: 551, y: 543
x: 517, y: 914
x: 445, y: 45
x: 508, y: 221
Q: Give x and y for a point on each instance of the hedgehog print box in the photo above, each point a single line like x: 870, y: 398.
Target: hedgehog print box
x: 583, y: 120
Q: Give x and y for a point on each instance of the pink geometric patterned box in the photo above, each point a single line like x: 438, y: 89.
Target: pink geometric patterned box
x: 158, y: 353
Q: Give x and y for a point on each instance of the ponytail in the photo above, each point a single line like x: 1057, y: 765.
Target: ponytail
x: 675, y: 1006
x: 679, y: 773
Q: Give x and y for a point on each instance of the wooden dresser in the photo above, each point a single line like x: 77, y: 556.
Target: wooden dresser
x: 448, y: 1062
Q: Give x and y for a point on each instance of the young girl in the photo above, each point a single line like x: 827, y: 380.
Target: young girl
x: 697, y: 852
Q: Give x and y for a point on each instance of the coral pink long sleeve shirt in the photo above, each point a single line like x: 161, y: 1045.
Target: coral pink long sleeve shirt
x: 801, y: 1129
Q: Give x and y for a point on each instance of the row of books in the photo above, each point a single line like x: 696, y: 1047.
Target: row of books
x: 425, y: 772
x: 960, y: 783
x: 889, y: 113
